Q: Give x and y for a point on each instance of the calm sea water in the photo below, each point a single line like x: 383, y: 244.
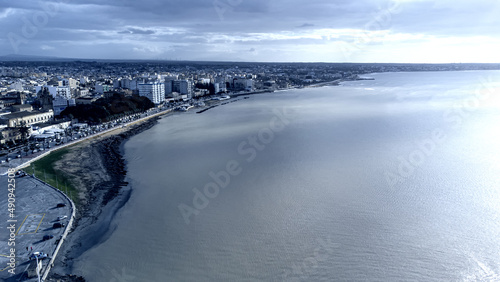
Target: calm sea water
x: 392, y: 179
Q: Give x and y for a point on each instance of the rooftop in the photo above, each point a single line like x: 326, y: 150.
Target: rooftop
x: 23, y: 114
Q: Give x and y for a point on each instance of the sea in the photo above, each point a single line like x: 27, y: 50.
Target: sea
x: 392, y: 178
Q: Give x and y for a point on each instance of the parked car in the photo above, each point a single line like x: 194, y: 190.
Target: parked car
x: 39, y: 255
x: 57, y: 225
x: 60, y: 205
x: 47, y: 237
x: 59, y: 218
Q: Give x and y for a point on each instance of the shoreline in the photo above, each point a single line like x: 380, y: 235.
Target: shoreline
x: 98, y: 167
x: 103, y: 171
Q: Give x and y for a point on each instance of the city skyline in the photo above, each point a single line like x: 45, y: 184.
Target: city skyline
x: 403, y: 31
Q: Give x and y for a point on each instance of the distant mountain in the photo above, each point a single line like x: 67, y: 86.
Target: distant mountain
x: 30, y: 58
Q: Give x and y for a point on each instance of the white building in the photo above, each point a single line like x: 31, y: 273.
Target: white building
x: 64, y: 91
x: 154, y: 91
x: 73, y: 83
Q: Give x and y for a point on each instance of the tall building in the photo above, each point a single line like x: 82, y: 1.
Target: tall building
x: 168, y: 87
x: 184, y: 87
x: 154, y: 91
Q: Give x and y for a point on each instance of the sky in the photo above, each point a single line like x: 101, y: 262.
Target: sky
x: 367, y: 31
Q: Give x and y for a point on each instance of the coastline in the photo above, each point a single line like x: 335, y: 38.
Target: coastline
x: 97, y: 168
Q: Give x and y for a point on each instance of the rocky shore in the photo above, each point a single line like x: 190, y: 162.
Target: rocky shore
x: 97, y: 169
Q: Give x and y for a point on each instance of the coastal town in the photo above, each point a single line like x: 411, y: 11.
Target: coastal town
x: 48, y: 105
x: 47, y: 97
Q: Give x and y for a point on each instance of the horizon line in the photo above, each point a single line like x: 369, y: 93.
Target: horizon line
x: 40, y: 58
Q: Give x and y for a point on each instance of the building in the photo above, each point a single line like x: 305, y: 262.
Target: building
x: 117, y: 84
x: 63, y: 82
x: 184, y: 87
x: 73, y: 83
x: 22, y: 108
x: 101, y: 88
x: 82, y: 92
x: 11, y: 134
x: 60, y: 103
x: 154, y: 91
x: 240, y: 84
x: 26, y: 118
x: 131, y: 84
x: 168, y: 87
x: 64, y: 91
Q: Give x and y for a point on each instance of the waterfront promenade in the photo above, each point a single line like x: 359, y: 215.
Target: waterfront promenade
x: 35, y: 214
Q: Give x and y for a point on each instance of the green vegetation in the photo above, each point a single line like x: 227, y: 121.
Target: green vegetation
x: 44, y: 170
x: 107, y: 109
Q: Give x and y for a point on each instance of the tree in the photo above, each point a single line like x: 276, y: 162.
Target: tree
x: 24, y: 129
x: 32, y: 147
x: 2, y: 139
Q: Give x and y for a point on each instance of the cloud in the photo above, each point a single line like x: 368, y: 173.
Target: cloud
x: 306, y: 25
x: 137, y: 31
x: 299, y: 29
x: 46, y: 47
